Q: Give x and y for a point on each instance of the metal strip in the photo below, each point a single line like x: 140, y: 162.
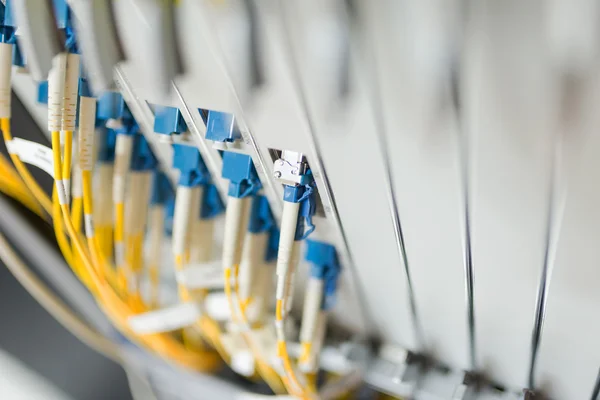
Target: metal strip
x: 381, y: 133
x: 326, y: 192
x: 466, y: 238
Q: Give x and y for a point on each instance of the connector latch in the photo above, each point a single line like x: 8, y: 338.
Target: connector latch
x: 291, y: 169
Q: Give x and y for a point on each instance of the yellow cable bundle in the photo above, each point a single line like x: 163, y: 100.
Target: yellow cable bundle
x: 12, y: 185
x: 114, y: 306
x: 32, y: 185
x: 266, y: 372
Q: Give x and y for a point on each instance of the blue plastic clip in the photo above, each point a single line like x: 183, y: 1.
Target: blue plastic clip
x: 169, y: 214
x: 142, y: 158
x: 305, y: 195
x: 273, y: 245
x: 8, y: 25
x: 261, y: 217
x: 239, y: 170
x: 84, y: 87
x: 64, y: 21
x: 168, y: 120
x: 325, y: 265
x: 221, y: 127
x: 187, y: 160
x: 107, y: 143
x: 109, y: 106
x: 42, y: 92
x: 212, y: 205
x: 162, y: 190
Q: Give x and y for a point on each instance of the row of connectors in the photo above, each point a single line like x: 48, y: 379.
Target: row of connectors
x: 239, y: 169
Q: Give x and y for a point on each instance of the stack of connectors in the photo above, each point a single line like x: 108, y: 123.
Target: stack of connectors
x: 197, y: 203
x: 129, y: 206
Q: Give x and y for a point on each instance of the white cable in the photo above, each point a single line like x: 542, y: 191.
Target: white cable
x: 253, y: 255
x: 236, y: 221
x: 71, y: 85
x: 123, y: 148
x: 53, y: 305
x: 184, y: 200
x: 137, y: 201
x: 87, y: 130
x: 56, y: 90
x: 156, y: 229
x: 202, y: 240
x: 5, y: 72
x: 103, y: 212
x: 292, y: 275
x: 312, y: 305
x: 311, y: 365
x: 289, y: 219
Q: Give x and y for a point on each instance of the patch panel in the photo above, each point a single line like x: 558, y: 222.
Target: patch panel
x: 443, y: 154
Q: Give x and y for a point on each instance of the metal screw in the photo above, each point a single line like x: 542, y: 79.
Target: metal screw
x: 277, y: 174
x: 281, y: 162
x: 295, y: 171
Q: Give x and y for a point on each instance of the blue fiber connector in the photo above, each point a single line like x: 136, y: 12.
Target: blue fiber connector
x: 7, y: 23
x: 189, y: 162
x: 239, y: 170
x: 212, y: 205
x: 142, y: 158
x: 106, y: 146
x: 305, y: 195
x: 42, y: 92
x: 64, y: 21
x: 83, y: 90
x: 168, y: 120
x: 130, y: 125
x: 162, y: 190
x: 169, y: 215
x: 84, y: 87
x: 261, y: 217
x: 262, y: 221
x: 272, y: 245
x: 8, y: 27
x: 325, y: 265
x: 109, y: 106
x: 221, y: 127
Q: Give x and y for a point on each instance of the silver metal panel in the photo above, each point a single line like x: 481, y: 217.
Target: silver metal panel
x: 98, y: 40
x: 569, y: 353
x: 422, y: 142
x: 343, y: 130
x: 38, y: 35
x: 509, y: 111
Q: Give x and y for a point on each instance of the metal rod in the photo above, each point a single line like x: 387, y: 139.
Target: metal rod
x: 380, y: 130
x: 326, y: 191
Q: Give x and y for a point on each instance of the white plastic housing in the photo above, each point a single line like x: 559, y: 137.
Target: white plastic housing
x: 5, y: 73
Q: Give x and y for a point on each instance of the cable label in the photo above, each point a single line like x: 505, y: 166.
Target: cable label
x: 32, y: 153
x: 165, y: 320
x: 201, y: 276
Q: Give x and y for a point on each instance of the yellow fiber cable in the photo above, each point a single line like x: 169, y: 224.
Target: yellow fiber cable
x: 16, y: 189
x: 116, y: 308
x: 283, y: 354
x: 32, y: 185
x: 265, y: 371
x: 269, y: 375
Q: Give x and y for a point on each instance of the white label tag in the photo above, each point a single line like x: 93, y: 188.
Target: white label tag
x: 202, y: 276
x: 166, y: 319
x: 242, y: 362
x: 217, y: 306
x: 33, y: 153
